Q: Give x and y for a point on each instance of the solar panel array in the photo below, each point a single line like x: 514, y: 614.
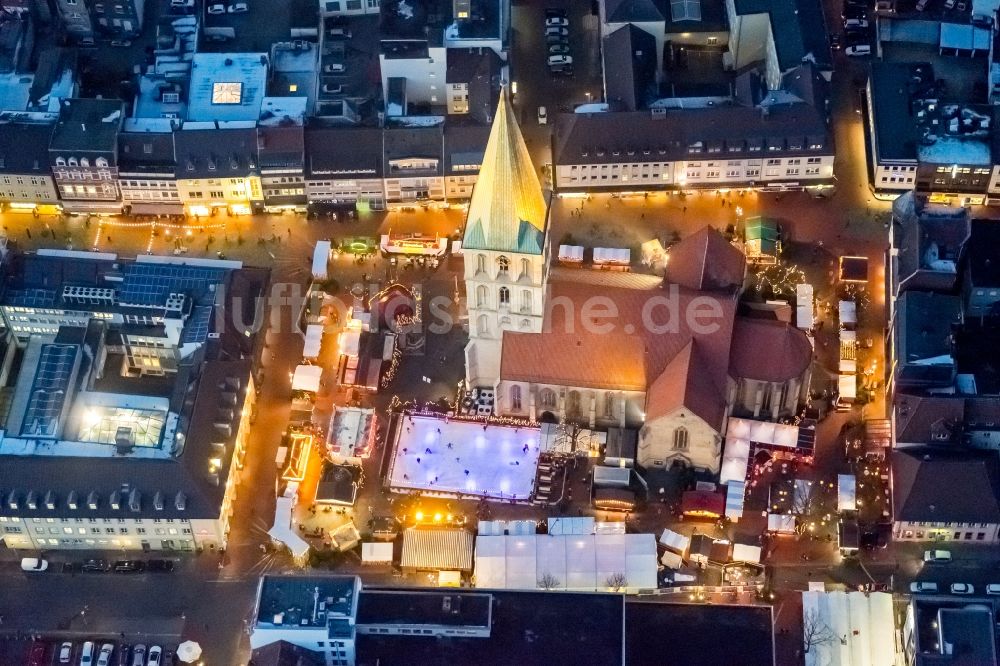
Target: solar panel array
x: 196, y: 329
x: 49, y: 390
x: 31, y: 298
x: 150, y: 284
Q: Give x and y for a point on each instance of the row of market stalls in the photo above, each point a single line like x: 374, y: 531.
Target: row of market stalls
x: 603, y: 258
x: 847, y: 377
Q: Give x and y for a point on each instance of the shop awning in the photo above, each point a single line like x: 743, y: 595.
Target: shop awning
x: 804, y: 313
x: 139, y: 208
x: 571, y: 253
x: 306, y: 378
x: 437, y: 549
x: 735, y: 460
x: 612, y: 255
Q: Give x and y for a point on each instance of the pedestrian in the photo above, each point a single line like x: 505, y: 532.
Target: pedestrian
x: 685, y: 209
x: 450, y: 445
x: 467, y: 472
x: 418, y: 461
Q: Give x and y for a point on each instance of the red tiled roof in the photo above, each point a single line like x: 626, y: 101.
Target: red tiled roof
x: 684, y: 383
x: 621, y: 353
x: 768, y: 351
x: 706, y: 261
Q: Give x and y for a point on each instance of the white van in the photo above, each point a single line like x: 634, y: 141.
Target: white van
x: 34, y: 564
x: 543, y: 116
x: 858, y: 50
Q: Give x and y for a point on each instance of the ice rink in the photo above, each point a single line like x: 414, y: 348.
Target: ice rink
x: 464, y: 457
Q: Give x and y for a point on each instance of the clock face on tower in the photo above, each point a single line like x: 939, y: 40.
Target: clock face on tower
x: 227, y: 93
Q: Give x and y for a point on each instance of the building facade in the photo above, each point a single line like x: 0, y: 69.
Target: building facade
x: 26, y: 182
x: 83, y: 154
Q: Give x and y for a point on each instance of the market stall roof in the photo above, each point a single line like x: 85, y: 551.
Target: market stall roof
x: 703, y: 503
x: 443, y: 548
x: 671, y: 560
x: 306, y: 378
x: 350, y: 342
x: 571, y: 253
x: 783, y: 523
x: 804, y: 307
x: 314, y: 341
x: 862, y: 620
x: 847, y: 499
x: 746, y: 553
x: 735, y: 496
x: 848, y: 311
x: 376, y: 552
x: 763, y: 432
x: 568, y: 562
x: 282, y: 530
x: 612, y: 255
x: 735, y: 459
x: 847, y: 386
x: 674, y: 541
x: 854, y: 269
x: 571, y: 525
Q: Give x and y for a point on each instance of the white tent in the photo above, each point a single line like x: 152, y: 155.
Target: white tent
x: 735, y: 496
x: 847, y: 499
x: 612, y: 255
x: 859, y: 623
x: 671, y: 560
x: 314, y: 340
x: 848, y: 312
x: 804, y: 314
x: 674, y: 541
x: 781, y: 523
x: 763, y: 432
x: 306, y: 378
x: 571, y: 525
x: 653, y: 253
x: 282, y: 530
x: 350, y: 341
x: 735, y: 460
x: 321, y: 256
x: 571, y: 254
x: 745, y: 553
x: 611, y: 477
x: 847, y: 386
x: 569, y: 562
x: 376, y: 552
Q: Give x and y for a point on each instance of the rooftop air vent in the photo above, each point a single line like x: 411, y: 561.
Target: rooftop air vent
x: 50, y: 500
x: 180, y: 502
x: 72, y: 500
x: 158, y: 501
x: 92, y: 500
x: 135, y: 500
x: 32, y: 500
x: 116, y: 500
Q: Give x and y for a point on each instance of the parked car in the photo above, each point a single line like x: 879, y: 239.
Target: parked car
x: 565, y: 70
x: 124, y: 43
x: 155, y: 656
x: 217, y: 8
x: 557, y: 21
x: 858, y: 50
x: 34, y: 564
x: 334, y: 68
x: 561, y: 32
x: 139, y: 655
x: 104, y: 658
x: 560, y: 60
x: 125, y: 655
x: 937, y: 556
x: 128, y: 566
x: 333, y: 88
x: 962, y: 588
x: 856, y: 23
x: 339, y: 33
x: 94, y: 565
x: 836, y: 41
x: 65, y: 652
x: 555, y: 39
x: 993, y: 588
x: 919, y: 586
x: 543, y: 116
x: 238, y: 8
x: 87, y: 654
x: 559, y: 49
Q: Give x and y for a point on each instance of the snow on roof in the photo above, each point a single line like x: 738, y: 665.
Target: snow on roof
x: 950, y: 150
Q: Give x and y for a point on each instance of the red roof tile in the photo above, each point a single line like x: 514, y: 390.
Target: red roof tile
x: 768, y: 351
x: 706, y: 261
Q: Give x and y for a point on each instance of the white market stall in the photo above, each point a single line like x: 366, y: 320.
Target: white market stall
x: 673, y: 541
x: 314, y: 341
x: 376, y: 552
x: 282, y: 530
x: 847, y: 492
x: 306, y: 378
x: 804, y: 309
x: 612, y: 257
x: 847, y: 311
x: 781, y: 523
x: 746, y: 553
x: 735, y: 496
x: 320, y: 260
x: 571, y: 255
x: 848, y: 352
x: 860, y: 623
x: 735, y: 460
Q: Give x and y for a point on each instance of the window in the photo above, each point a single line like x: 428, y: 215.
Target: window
x: 504, y: 296
x: 515, y: 397
x: 353, y: 5
x: 525, y: 300
x: 333, y: 6
x: 503, y: 265
x: 525, y: 268
x: 547, y: 397
x: 483, y: 326
x: 680, y: 439
x: 480, y: 263
x: 609, y: 405
x: 481, y: 295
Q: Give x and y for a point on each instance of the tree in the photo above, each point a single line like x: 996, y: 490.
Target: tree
x: 617, y: 582
x: 808, y: 506
x: 815, y: 632
x: 548, y: 582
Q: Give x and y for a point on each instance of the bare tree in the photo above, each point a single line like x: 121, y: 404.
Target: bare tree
x: 809, y: 507
x: 815, y: 632
x: 548, y: 582
x: 617, y: 581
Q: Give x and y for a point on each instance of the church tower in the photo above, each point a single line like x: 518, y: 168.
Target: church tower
x: 505, y: 249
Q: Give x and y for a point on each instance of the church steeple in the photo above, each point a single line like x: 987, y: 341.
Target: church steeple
x: 508, y: 211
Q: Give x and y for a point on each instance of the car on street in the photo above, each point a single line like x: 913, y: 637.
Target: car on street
x: 560, y: 32
x: 238, y: 8
x: 565, y: 70
x: 962, y: 588
x: 217, y: 8
x: 856, y: 50
x: 559, y: 49
x: 139, y: 655
x: 937, y: 556
x: 334, y: 68
x: 333, y: 88
x: 560, y: 60
x: 557, y: 21
x: 65, y: 652
x: 95, y: 565
x: 87, y: 654
x: 856, y: 23
x: 155, y: 656
x: 543, y: 116
x: 34, y: 564
x: 919, y: 586
x: 104, y: 657
x: 836, y: 41
x: 128, y: 566
x: 160, y: 566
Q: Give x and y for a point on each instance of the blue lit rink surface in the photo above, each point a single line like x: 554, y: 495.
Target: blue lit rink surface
x: 486, y: 462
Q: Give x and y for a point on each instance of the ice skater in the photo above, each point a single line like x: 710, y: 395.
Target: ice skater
x: 418, y: 461
x: 467, y: 472
x: 428, y: 450
x: 450, y: 445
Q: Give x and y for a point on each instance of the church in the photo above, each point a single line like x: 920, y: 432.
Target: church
x: 667, y: 355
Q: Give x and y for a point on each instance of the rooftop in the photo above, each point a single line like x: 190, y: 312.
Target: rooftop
x: 928, y: 241
x: 349, y: 152
x: 798, y: 27
x: 928, y: 419
x: 630, y: 56
x: 925, y: 479
x: 24, y: 146
x: 216, y: 153
x: 87, y: 126
x: 925, y: 334
x: 435, y: 607
x: 984, y: 265
x: 290, y: 601
x: 227, y: 86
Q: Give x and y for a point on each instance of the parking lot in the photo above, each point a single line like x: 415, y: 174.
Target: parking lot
x: 260, y: 24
